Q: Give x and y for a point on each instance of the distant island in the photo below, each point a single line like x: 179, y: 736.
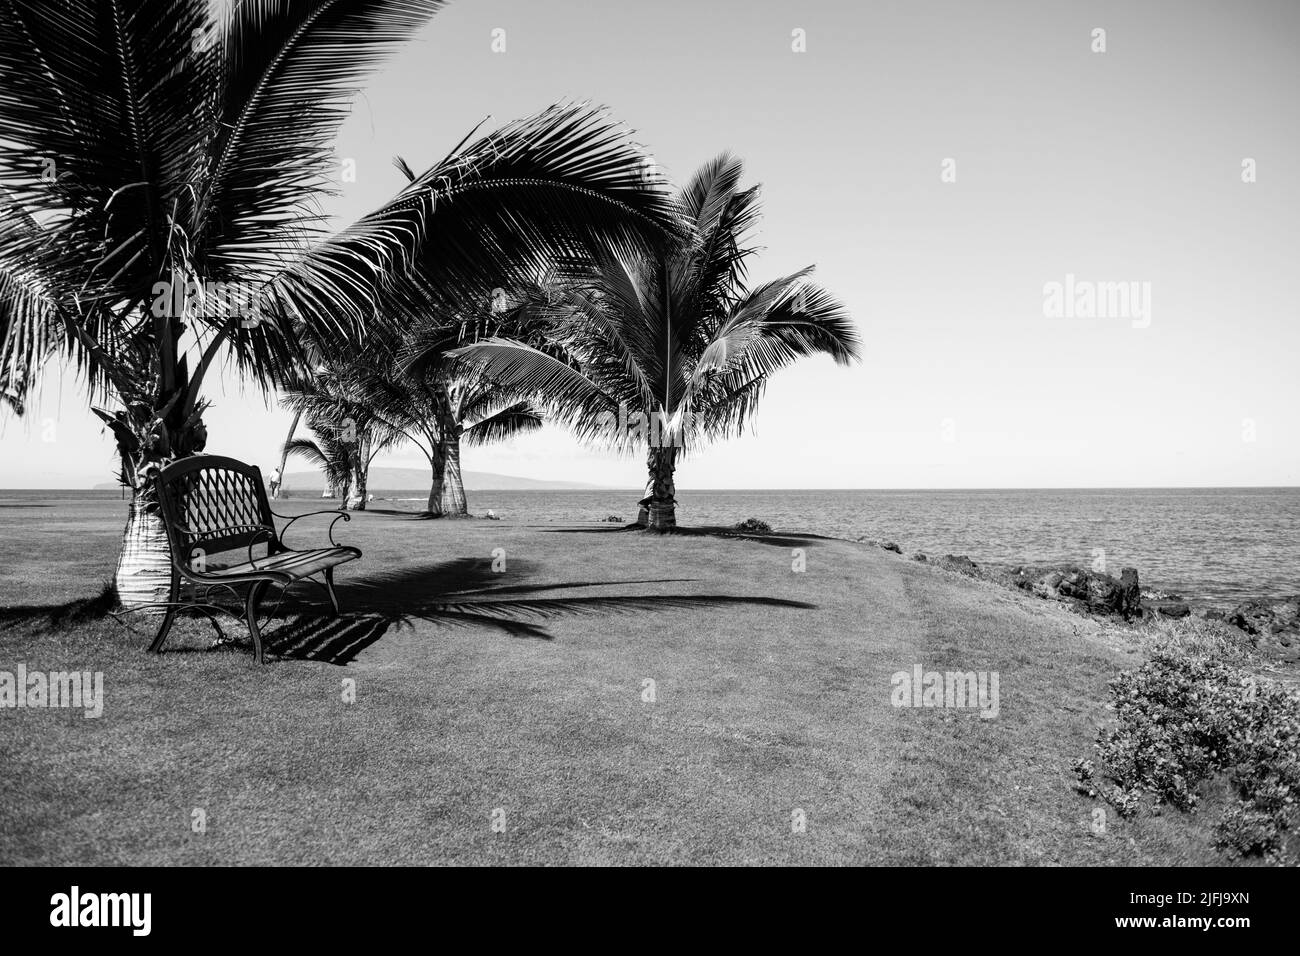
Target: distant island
x: 414, y: 479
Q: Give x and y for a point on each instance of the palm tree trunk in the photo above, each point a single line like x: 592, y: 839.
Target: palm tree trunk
x: 662, y: 510
x: 438, y: 466
x: 145, y: 445
x: 454, y: 503
x: 643, y: 506
x: 360, y: 477
x: 284, y: 453
x: 357, y: 500
x: 143, y: 573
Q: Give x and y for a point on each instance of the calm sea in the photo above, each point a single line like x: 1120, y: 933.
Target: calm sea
x: 1212, y: 545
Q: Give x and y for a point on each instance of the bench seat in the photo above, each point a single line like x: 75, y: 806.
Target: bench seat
x: 293, y: 565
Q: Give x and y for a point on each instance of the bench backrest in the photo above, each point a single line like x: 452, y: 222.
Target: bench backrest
x: 215, y: 504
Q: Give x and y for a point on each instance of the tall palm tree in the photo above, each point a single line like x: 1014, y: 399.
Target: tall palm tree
x: 666, y: 350
x: 161, y: 166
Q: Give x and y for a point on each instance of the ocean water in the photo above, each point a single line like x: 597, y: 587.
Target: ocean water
x: 1210, y: 545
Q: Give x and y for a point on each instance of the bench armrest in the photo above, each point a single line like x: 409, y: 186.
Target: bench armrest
x: 338, y: 515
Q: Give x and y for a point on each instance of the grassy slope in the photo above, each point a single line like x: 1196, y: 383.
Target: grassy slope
x: 523, y: 691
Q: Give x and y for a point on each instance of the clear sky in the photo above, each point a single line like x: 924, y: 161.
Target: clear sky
x: 1116, y: 166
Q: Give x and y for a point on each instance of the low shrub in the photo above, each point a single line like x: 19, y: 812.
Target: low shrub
x: 753, y: 526
x: 1186, y: 718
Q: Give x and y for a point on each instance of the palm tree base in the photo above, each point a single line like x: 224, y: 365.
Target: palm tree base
x: 662, y: 516
x: 143, y: 575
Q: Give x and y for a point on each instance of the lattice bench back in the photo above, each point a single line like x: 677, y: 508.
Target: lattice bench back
x: 214, y: 504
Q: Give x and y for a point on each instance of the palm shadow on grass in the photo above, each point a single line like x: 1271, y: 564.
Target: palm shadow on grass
x: 462, y: 593
x: 48, y: 617
x: 776, y: 539
x: 467, y: 593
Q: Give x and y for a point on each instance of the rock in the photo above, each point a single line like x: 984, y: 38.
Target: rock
x: 1102, y: 592
x: 1130, y: 593
x: 920, y: 557
x: 1275, y: 624
x: 1097, y: 592
x: 1267, y: 617
x: 1176, y: 609
x: 1213, y: 614
x: 960, y: 563
x: 1045, y: 586
x: 890, y: 546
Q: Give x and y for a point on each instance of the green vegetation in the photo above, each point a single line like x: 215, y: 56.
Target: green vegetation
x: 1184, y: 720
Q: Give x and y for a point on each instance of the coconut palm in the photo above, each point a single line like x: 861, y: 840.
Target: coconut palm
x: 665, y: 351
x: 161, y: 166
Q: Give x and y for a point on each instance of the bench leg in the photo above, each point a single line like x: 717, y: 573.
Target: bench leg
x: 250, y: 612
x: 172, y: 595
x: 329, y: 588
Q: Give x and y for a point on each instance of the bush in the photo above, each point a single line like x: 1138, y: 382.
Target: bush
x: 1184, y: 719
x: 753, y: 526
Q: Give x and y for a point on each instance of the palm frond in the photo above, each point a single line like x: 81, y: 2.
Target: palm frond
x: 101, y: 111
x: 528, y: 373
x: 329, y: 456
x: 290, y: 71
x: 497, y: 214
x: 516, y: 419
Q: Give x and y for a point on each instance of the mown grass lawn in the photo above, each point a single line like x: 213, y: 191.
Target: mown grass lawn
x: 507, y: 716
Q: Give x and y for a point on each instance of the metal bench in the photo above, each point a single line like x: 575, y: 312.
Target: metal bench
x: 212, y: 505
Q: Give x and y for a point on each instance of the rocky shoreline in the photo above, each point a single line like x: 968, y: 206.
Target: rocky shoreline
x: 1270, y: 625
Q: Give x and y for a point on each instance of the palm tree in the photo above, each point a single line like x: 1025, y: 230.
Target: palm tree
x: 335, y: 458
x: 437, y: 413
x: 349, y: 433
x: 419, y: 390
x: 162, y: 166
x: 480, y: 412
x: 663, y: 351
x: 284, y: 453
